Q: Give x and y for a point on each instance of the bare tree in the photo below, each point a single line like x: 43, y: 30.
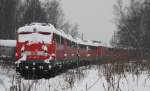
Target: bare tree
x: 74, y: 31
x: 54, y: 13
x: 66, y: 26
x: 33, y: 13
x: 133, y: 26
x: 56, y: 17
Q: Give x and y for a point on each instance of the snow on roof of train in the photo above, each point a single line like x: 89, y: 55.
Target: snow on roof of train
x: 87, y: 42
x: 38, y: 26
x: 47, y: 27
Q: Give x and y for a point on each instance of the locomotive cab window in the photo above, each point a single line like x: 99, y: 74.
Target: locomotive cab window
x: 36, y: 37
x: 69, y: 43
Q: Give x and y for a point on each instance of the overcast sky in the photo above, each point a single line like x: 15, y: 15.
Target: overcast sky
x: 95, y: 17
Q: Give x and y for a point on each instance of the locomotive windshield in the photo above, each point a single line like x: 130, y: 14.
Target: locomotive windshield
x: 36, y: 37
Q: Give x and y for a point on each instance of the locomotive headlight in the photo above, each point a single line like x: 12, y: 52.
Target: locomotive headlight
x: 16, y: 54
x: 22, y: 48
x: 45, y: 48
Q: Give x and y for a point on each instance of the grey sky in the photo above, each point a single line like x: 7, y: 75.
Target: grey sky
x: 95, y: 17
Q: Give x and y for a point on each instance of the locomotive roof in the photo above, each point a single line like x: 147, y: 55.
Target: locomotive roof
x: 47, y: 27
x: 40, y: 27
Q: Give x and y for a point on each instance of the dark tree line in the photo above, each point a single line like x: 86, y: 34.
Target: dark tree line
x: 33, y: 13
x: 16, y: 13
x: 8, y: 11
x: 133, y: 26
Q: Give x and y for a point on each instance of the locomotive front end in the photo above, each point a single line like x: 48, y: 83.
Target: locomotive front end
x: 35, y: 49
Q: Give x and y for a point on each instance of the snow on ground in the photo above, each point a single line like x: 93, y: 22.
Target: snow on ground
x: 6, y: 78
x: 8, y: 43
x: 94, y: 78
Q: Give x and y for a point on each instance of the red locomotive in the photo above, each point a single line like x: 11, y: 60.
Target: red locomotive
x: 40, y: 47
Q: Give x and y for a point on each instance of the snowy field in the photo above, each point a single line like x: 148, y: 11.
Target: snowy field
x: 105, y: 77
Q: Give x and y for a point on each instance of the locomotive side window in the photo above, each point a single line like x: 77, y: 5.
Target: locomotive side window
x: 87, y: 48
x: 57, y: 38
x: 92, y: 47
x: 59, y: 41
x: 69, y: 43
x: 74, y: 45
x: 82, y: 46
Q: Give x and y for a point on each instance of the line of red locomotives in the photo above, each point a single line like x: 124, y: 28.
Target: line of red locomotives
x: 42, y: 46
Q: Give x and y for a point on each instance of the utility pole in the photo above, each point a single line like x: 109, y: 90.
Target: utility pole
x: 82, y: 35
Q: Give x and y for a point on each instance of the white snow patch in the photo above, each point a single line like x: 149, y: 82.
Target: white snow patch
x: 8, y: 43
